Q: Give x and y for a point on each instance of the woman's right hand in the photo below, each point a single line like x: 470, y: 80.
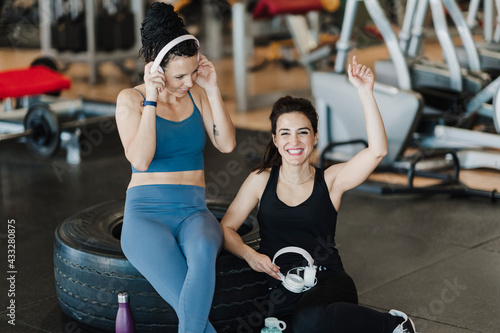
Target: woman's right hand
x: 360, y: 76
x: 261, y: 263
x: 154, y: 82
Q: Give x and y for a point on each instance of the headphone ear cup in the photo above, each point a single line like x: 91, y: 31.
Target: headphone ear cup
x: 309, y: 276
x: 294, y: 283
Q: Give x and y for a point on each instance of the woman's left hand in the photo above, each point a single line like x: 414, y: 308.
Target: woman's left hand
x: 207, y: 77
x: 360, y: 76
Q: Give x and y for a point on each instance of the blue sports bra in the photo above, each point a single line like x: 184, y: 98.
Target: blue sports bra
x: 179, y: 144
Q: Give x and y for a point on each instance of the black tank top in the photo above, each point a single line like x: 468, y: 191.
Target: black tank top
x: 310, y: 225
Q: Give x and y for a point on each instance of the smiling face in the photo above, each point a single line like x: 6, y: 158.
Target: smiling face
x: 180, y: 75
x: 295, y: 138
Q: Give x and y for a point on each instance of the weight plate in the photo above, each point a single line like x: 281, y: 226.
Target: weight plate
x: 45, y: 139
x: 48, y: 62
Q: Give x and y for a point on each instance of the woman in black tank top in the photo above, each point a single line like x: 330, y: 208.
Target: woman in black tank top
x: 298, y: 206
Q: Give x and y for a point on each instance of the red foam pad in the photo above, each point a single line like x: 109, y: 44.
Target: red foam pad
x: 35, y: 80
x: 271, y: 8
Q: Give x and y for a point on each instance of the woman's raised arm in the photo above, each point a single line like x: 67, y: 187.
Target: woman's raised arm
x: 345, y: 176
x: 217, y: 121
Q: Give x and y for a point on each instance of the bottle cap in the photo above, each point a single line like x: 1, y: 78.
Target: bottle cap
x: 123, y: 298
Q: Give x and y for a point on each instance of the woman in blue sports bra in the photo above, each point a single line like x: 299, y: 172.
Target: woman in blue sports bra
x: 168, y: 233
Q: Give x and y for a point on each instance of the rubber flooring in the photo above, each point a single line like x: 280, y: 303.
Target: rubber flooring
x: 435, y: 258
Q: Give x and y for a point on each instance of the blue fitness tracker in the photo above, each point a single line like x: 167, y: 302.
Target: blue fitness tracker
x: 146, y: 103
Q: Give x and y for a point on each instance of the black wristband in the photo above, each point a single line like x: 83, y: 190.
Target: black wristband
x: 146, y: 103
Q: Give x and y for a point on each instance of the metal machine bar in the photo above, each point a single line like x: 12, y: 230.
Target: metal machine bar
x: 63, y: 126
x: 13, y: 136
x: 489, y: 12
x: 91, y: 40
x: 447, y: 46
x: 496, y: 36
x: 240, y: 55
x: 496, y: 111
x: 56, y: 107
x: 390, y: 39
x: 416, y: 31
x: 472, y: 12
x: 472, y: 137
x: 483, y: 96
x: 342, y: 44
x: 45, y: 25
x: 405, y: 33
x: 465, y: 34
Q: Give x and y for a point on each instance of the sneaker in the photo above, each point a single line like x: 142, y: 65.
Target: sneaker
x: 406, y: 326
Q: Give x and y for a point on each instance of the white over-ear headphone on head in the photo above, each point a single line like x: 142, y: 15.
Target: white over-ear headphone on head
x: 293, y: 281
x: 159, y: 58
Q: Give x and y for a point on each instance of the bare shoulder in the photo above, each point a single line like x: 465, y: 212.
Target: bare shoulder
x: 256, y: 182
x: 260, y: 177
x: 128, y: 100
x: 129, y: 95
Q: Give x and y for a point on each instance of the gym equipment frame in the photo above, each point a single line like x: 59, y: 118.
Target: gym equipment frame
x: 461, y: 80
x: 44, y: 134
x: 91, y: 56
x: 401, y: 110
x: 241, y: 42
x: 428, y: 74
x: 488, y: 13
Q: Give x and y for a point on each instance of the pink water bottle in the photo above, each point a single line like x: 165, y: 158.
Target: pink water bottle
x: 124, y: 318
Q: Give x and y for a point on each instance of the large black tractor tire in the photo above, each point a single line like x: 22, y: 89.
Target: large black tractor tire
x: 90, y: 270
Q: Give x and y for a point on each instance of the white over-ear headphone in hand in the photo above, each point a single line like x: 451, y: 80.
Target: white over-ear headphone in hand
x: 293, y: 281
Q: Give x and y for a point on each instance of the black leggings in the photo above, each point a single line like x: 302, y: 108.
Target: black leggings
x: 330, y: 307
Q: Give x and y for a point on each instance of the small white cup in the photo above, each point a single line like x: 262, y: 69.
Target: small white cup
x: 273, y: 322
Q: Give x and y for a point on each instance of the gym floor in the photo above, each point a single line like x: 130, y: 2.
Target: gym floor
x: 436, y: 258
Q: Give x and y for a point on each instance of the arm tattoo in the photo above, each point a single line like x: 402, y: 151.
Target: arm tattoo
x: 216, y: 133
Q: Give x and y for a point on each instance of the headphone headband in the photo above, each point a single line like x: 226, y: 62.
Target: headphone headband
x: 295, y: 249
x: 168, y: 47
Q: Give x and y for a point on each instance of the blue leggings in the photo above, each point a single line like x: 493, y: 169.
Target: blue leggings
x: 173, y: 240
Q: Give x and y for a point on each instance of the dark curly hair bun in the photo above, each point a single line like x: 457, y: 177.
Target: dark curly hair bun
x: 168, y: 19
x: 161, y: 25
